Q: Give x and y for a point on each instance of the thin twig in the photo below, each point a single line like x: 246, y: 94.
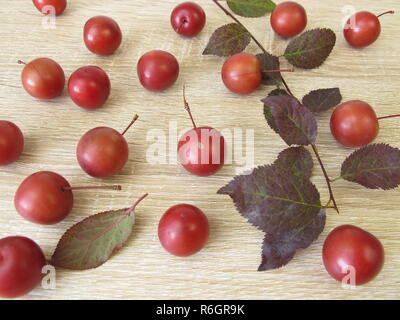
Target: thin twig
x: 238, y: 22
x: 254, y: 39
x: 331, y: 197
x: 287, y: 87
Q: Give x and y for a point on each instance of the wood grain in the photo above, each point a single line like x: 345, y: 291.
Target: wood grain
x: 226, y: 269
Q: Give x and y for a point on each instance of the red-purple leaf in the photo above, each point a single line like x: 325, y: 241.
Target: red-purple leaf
x: 227, y: 40
x: 272, y: 200
x: 376, y: 166
x: 293, y: 122
x: 296, y: 161
x: 279, y: 249
x: 270, y: 119
x: 322, y: 99
x: 280, y: 200
x: 310, y: 49
x: 269, y: 62
x: 278, y: 92
x: 267, y: 111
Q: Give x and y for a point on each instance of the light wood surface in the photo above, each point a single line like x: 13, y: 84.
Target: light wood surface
x: 226, y: 268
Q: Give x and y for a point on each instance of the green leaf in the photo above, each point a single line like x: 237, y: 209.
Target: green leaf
x: 251, y: 8
x: 376, y: 166
x: 270, y: 62
x: 84, y: 246
x: 91, y: 242
x: 293, y: 122
x: 310, y: 49
x: 227, y: 40
x: 322, y: 99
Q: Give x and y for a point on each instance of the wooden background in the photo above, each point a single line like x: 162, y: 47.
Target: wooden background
x: 226, y: 268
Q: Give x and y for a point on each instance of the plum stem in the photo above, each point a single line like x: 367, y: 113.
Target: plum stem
x: 130, y: 125
x: 391, y: 116
x: 386, y: 12
x: 21, y: 62
x: 270, y: 71
x: 187, y: 108
x: 282, y: 70
x: 184, y: 21
x: 114, y: 187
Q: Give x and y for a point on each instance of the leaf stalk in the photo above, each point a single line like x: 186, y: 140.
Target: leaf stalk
x: 127, y: 214
x: 131, y: 209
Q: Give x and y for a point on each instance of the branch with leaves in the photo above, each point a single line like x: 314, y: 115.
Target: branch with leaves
x: 280, y: 199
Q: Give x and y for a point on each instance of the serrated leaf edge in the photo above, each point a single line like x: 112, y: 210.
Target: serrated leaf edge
x: 290, y: 54
x: 69, y: 233
x: 207, y: 51
x: 326, y: 98
x: 344, y: 176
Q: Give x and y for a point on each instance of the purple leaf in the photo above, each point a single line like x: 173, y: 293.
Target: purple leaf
x: 227, y: 40
x: 322, y: 99
x: 279, y: 249
x: 280, y: 200
x: 269, y: 62
x: 272, y: 200
x: 293, y: 122
x: 310, y: 49
x: 296, y: 161
x: 278, y: 92
x: 376, y: 166
x: 267, y: 111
